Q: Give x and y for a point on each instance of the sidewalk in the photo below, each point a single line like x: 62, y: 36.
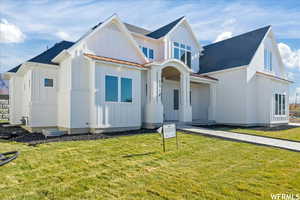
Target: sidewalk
x: 284, y: 144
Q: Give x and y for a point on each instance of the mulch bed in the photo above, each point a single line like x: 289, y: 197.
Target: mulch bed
x: 18, y: 134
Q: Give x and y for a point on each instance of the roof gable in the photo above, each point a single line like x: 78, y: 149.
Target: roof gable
x: 233, y: 52
x: 47, y: 55
x: 162, y: 31
x: 116, y: 20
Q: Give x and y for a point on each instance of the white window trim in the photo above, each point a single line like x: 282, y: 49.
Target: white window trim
x: 180, y: 48
x: 119, y: 90
x: 268, y: 60
x: 148, y: 52
x: 283, y: 106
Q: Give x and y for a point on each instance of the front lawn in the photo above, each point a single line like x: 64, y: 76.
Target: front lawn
x: 290, y: 134
x: 134, y: 167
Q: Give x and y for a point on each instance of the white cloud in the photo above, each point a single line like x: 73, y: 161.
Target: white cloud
x: 290, y: 58
x: 63, y: 35
x: 10, y: 33
x: 223, y: 36
x: 291, y: 76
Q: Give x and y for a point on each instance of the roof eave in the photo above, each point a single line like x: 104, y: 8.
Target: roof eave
x: 61, y: 56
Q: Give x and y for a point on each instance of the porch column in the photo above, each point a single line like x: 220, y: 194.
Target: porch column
x: 185, y: 114
x: 212, y: 102
x: 154, y: 107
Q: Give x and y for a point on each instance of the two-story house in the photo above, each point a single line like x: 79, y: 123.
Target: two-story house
x: 121, y: 77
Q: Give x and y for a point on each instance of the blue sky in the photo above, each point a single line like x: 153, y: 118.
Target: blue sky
x: 34, y: 25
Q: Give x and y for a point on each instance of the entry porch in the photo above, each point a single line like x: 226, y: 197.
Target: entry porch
x: 176, y: 94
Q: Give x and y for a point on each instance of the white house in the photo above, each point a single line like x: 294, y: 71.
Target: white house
x: 121, y: 77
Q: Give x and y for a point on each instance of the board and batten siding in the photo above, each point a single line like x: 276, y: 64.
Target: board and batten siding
x: 111, y: 42
x: 200, y: 97
x: 115, y: 114
x: 182, y: 35
x: 16, y: 96
x: 261, y: 89
x: 231, y: 96
x: 43, y: 104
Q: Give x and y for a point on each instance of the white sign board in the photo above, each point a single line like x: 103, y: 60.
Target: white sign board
x: 169, y: 130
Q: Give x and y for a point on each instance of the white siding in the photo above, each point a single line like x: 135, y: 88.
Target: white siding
x: 116, y: 114
x: 112, y: 42
x: 257, y: 63
x: 157, y: 46
x: 43, y: 105
x: 182, y: 35
x: 200, y: 101
x: 15, y: 99
x: 231, y: 96
x: 63, y: 95
x: 260, y: 89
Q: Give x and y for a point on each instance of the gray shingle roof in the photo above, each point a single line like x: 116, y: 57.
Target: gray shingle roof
x: 164, y: 30
x: 233, y: 52
x: 131, y: 28
x: 48, y: 55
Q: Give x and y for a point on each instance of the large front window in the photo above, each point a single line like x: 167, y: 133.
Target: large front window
x: 112, y: 89
x: 126, y: 90
x: 182, y: 52
x: 280, y: 104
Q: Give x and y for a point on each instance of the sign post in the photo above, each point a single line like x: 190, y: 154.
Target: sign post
x: 168, y: 131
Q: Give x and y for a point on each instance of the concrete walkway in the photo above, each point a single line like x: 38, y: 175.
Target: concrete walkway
x: 260, y: 140
x: 294, y: 124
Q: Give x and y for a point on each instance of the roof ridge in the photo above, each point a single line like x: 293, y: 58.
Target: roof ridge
x: 158, y: 33
x: 137, y: 26
x: 242, y: 34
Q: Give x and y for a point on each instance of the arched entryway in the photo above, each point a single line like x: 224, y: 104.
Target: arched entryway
x: 162, y: 98
x: 170, y: 93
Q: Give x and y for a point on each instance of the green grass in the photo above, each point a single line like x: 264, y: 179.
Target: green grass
x: 134, y: 167
x: 290, y: 134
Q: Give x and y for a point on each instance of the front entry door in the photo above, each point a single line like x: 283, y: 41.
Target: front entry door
x: 170, y: 100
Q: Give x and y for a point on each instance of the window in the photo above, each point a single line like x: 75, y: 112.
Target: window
x: 149, y: 53
x: 126, y: 90
x: 111, y: 88
x: 176, y: 99
x: 268, y: 60
x: 182, y: 52
x: 48, y: 82
x: 280, y: 104
x: 145, y: 51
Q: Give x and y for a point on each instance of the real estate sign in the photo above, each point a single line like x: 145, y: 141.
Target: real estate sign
x: 168, y: 131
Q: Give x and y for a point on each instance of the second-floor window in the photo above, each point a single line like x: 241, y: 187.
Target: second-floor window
x: 182, y: 52
x: 149, y: 53
x: 268, y: 60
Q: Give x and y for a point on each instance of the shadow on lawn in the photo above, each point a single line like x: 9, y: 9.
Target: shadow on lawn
x: 139, y: 154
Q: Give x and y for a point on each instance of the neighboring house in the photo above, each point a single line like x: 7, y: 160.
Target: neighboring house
x: 121, y: 77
